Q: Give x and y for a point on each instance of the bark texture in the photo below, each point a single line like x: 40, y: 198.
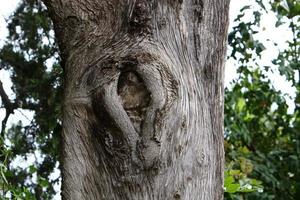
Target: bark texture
x: 143, y: 108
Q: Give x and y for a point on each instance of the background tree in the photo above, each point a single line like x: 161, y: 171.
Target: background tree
x: 37, y: 87
x: 262, y: 137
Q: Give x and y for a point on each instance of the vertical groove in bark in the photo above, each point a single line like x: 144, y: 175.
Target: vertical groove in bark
x: 143, y: 114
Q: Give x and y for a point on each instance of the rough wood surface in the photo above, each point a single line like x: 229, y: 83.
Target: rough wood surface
x: 143, y: 108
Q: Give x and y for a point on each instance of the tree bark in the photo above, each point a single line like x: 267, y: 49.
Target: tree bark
x: 143, y: 103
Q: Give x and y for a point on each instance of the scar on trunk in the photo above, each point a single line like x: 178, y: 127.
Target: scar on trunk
x: 134, y: 96
x: 135, y: 93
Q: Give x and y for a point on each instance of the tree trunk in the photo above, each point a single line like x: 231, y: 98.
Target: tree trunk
x: 143, y: 103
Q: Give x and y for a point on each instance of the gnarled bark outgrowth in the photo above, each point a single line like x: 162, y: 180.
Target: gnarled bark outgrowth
x: 143, y: 110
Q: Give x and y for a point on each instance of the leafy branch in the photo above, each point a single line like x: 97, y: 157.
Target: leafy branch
x: 8, y: 105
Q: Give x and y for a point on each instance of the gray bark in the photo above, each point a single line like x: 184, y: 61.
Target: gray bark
x: 143, y: 104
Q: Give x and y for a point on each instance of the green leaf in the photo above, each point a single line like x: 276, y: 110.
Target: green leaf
x: 240, y: 104
x: 232, y: 188
x: 228, y: 180
x: 43, y: 182
x: 32, y: 169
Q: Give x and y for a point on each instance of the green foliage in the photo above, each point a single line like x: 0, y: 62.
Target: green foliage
x: 241, y: 38
x: 236, y: 181
x: 29, y: 48
x: 261, y: 136
x: 236, y: 178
